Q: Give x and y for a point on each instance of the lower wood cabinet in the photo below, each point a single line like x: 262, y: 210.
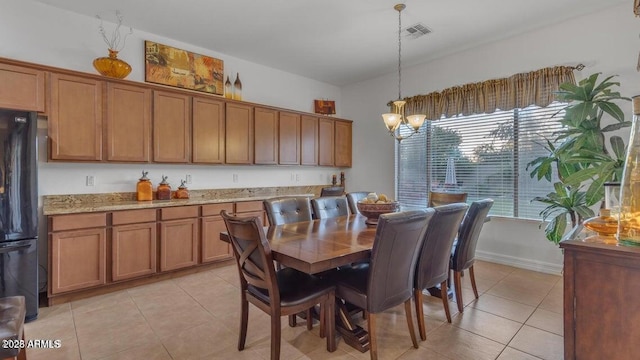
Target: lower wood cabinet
x: 179, y: 237
x: 133, y: 244
x: 214, y: 249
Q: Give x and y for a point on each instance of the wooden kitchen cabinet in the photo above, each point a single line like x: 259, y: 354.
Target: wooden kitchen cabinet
x: 289, y: 143
x: 342, y: 143
x: 133, y: 244
x: 326, y: 142
x: 75, y: 118
x: 214, y: 249
x: 128, y: 123
x: 77, y: 252
x: 308, y: 140
x: 21, y: 88
x: 252, y: 208
x: 171, y: 127
x: 178, y: 237
x: 239, y: 134
x: 265, y: 127
x: 208, y: 124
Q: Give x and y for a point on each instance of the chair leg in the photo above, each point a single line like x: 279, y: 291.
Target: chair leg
x: 373, y: 341
x: 457, y: 283
x: 292, y: 320
x: 309, y: 319
x: 244, y: 320
x: 412, y: 331
x: 445, y: 299
x: 22, y: 355
x: 417, y: 298
x: 330, y: 322
x: 323, y: 323
x: 275, y: 336
x: 472, y: 277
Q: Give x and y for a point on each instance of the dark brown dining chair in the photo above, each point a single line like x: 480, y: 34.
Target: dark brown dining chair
x: 433, y: 264
x: 387, y: 281
x: 330, y: 206
x: 287, y: 209
x: 12, y: 315
x: 444, y: 198
x: 332, y: 191
x: 464, y: 253
x: 285, y: 292
x: 353, y: 198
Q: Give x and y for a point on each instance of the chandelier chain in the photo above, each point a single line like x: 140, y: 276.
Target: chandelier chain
x: 399, y: 53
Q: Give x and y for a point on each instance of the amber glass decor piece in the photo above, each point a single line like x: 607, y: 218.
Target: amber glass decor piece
x: 163, y: 192
x: 237, y: 88
x: 629, y: 224
x: 111, y: 66
x: 144, y: 189
x: 182, y: 192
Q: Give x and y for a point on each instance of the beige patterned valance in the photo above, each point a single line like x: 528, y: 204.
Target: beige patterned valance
x: 636, y: 7
x: 518, y: 91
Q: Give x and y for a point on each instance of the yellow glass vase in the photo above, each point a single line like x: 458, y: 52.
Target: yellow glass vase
x: 112, y: 66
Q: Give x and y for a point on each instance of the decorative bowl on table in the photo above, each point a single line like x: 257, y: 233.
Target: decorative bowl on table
x: 373, y: 210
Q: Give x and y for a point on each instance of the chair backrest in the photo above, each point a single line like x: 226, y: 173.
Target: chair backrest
x: 393, y: 258
x: 353, y: 198
x: 433, y: 264
x: 329, y: 206
x: 332, y: 191
x: 252, y: 253
x: 444, y: 198
x: 290, y: 209
x: 465, y: 251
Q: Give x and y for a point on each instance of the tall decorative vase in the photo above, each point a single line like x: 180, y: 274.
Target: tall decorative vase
x: 111, y: 66
x: 629, y: 221
x: 237, y: 88
x: 228, y: 89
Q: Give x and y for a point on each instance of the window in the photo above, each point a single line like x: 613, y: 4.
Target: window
x: 483, y: 155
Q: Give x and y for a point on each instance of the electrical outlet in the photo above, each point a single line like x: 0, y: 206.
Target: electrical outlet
x: 187, y: 179
x: 297, y: 177
x: 91, y: 180
x: 235, y: 178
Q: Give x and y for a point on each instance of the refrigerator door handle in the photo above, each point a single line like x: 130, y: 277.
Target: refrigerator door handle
x: 13, y: 248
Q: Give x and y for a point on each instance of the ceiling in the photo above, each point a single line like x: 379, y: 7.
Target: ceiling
x: 335, y: 41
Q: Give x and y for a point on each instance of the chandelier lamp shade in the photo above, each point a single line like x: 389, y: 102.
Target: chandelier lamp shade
x: 397, y: 117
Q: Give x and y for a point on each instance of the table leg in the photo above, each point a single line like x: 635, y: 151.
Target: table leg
x: 354, y: 335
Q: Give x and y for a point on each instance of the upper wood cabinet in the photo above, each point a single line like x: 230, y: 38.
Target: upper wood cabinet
x: 171, y: 127
x: 308, y: 140
x: 289, y: 133
x: 128, y: 123
x: 343, y: 143
x: 208, y: 131
x: 239, y: 134
x: 21, y: 88
x: 266, y: 136
x: 75, y: 118
x: 326, y: 142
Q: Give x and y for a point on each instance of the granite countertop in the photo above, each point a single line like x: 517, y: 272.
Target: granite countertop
x: 83, y: 203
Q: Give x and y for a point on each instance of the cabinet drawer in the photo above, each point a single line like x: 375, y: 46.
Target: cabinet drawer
x: 179, y: 212
x: 78, y: 221
x: 133, y: 216
x: 215, y: 209
x: 246, y: 206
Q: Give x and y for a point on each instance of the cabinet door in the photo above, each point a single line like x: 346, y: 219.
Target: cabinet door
x: 171, y: 127
x: 133, y: 251
x: 75, y: 118
x: 128, y: 123
x: 239, y: 134
x: 309, y: 140
x: 208, y: 131
x: 326, y: 143
x: 266, y: 136
x: 289, y: 132
x: 214, y: 249
x: 343, y: 143
x: 21, y: 88
x: 178, y: 244
x: 78, y: 259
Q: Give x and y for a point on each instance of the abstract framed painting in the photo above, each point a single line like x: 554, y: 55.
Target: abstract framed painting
x: 167, y: 65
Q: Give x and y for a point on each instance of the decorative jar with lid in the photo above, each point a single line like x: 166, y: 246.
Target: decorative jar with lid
x: 144, y: 188
x: 163, y: 192
x: 182, y: 192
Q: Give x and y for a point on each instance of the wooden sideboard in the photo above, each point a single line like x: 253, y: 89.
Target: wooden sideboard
x: 98, y: 119
x: 601, y: 298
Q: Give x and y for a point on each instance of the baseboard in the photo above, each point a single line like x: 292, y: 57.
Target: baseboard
x: 523, y: 263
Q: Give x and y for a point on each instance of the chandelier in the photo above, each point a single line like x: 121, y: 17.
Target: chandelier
x: 396, y: 118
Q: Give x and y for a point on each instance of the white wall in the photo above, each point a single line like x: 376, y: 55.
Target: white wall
x: 605, y: 42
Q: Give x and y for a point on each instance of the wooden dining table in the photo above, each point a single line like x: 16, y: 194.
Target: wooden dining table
x: 319, y: 245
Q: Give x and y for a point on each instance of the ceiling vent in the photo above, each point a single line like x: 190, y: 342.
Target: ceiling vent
x: 415, y: 31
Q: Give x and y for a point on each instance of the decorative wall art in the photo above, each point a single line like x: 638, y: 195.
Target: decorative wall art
x: 167, y: 65
x: 326, y: 107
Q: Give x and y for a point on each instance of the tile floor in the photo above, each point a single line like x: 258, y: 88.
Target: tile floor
x: 518, y: 316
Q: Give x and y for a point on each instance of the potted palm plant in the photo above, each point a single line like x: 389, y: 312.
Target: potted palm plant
x: 578, y: 155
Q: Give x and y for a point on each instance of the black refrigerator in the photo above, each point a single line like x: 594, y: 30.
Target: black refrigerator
x: 19, y: 208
